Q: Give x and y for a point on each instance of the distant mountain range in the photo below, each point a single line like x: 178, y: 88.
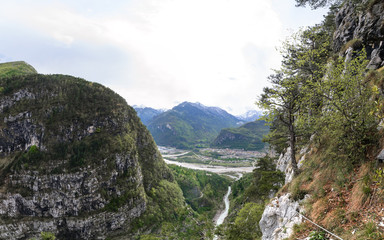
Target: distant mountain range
x: 190, y: 125
x: 248, y: 136
x: 250, y: 116
x: 146, y: 114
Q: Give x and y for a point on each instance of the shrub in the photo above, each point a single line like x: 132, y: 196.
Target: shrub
x: 371, y: 231
x: 47, y: 236
x: 355, y: 44
x: 317, y: 235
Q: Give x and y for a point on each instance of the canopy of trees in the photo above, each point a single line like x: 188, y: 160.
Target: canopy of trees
x: 318, y: 93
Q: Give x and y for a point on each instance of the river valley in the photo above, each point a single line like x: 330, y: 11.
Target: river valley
x: 234, y: 165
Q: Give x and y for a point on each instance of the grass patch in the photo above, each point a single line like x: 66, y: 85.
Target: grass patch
x: 355, y: 44
x: 15, y: 68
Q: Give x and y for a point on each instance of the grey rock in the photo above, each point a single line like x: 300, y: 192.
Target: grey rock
x: 71, y: 204
x: 364, y: 25
x: 284, y: 163
x: 281, y: 214
x: 381, y: 155
x: 279, y: 217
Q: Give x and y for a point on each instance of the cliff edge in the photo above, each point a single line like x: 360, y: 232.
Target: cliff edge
x: 75, y: 160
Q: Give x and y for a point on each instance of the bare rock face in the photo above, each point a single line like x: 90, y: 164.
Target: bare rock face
x: 75, y: 160
x: 281, y: 214
x: 366, y: 25
x: 283, y: 163
x: 279, y: 217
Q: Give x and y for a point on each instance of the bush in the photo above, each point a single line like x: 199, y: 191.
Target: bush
x: 317, y: 235
x: 246, y: 225
x: 47, y: 236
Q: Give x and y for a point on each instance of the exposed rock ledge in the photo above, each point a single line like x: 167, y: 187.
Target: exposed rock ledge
x: 279, y: 217
x: 284, y: 163
x: 281, y: 214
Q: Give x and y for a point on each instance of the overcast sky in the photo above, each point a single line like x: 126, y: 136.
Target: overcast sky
x: 156, y: 53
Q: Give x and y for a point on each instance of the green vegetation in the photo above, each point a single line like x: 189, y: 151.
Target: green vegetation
x: 355, y: 44
x: 15, y: 68
x: 47, y: 236
x: 249, y: 195
x: 81, y: 126
x: 303, y: 64
x: 167, y: 213
x: 65, y: 103
x: 246, y: 225
x: 317, y: 235
x: 371, y: 232
x: 248, y: 136
x: 203, y: 191
x: 335, y: 105
x: 189, y: 125
x: 362, y: 6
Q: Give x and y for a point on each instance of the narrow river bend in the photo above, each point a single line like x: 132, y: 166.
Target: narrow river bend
x: 239, y: 171
x: 224, y: 214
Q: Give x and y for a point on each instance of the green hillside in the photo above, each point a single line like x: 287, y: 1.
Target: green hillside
x: 91, y: 162
x: 248, y: 136
x: 15, y: 68
x: 190, y: 125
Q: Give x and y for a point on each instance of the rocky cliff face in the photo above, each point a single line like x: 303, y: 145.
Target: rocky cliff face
x: 364, y: 25
x: 279, y: 217
x: 75, y: 159
x: 281, y: 214
x: 283, y: 163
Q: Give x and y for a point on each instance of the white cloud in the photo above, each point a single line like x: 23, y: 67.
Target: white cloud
x: 193, y: 50
x: 217, y: 52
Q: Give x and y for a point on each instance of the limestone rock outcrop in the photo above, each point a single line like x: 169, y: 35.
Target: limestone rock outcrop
x: 364, y: 25
x: 279, y: 217
x: 283, y: 163
x: 75, y: 160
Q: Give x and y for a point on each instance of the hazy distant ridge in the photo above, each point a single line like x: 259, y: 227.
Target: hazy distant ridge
x: 190, y: 125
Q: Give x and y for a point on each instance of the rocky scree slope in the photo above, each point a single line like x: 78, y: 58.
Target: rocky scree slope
x: 75, y: 159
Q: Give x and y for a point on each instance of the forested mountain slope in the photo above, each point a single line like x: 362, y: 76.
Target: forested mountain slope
x: 190, y: 125
x: 248, y: 136
x: 76, y: 162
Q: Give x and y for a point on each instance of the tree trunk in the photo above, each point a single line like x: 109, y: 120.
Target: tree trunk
x: 292, y: 144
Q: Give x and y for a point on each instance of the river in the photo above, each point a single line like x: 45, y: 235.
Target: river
x: 239, y: 171
x: 224, y: 214
x: 210, y: 168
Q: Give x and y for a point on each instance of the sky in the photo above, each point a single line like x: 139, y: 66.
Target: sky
x: 156, y: 53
